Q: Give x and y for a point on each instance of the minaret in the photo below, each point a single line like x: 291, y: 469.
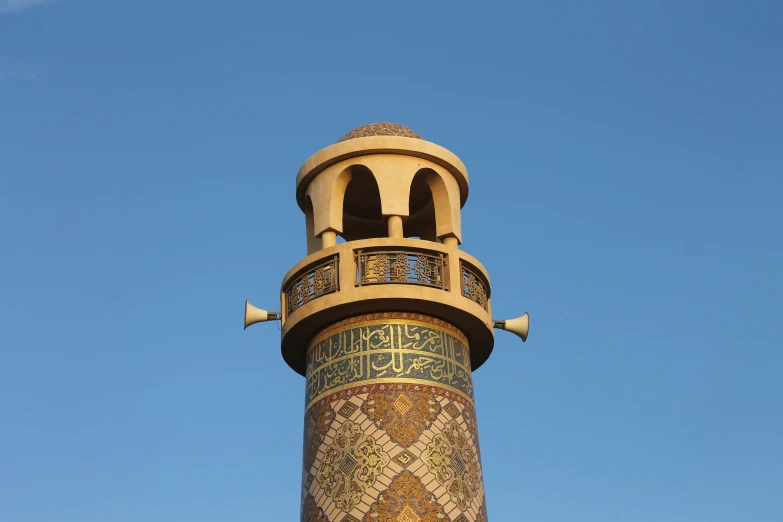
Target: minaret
x: 387, y: 328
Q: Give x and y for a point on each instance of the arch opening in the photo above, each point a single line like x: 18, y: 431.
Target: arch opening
x: 420, y: 223
x: 362, y: 215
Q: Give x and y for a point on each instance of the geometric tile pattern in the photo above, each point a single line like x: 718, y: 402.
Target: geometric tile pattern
x: 397, y: 451
x: 452, y: 410
x: 347, y: 410
x: 352, y: 463
x: 315, y: 431
x: 450, y: 458
x: 404, y: 458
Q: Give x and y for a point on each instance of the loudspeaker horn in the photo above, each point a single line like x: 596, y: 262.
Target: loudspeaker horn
x: 255, y: 315
x: 519, y: 326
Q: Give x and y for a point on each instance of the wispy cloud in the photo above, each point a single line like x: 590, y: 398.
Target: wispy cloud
x: 15, y: 6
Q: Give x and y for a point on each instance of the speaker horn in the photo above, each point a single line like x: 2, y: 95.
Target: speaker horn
x: 255, y: 315
x: 519, y: 326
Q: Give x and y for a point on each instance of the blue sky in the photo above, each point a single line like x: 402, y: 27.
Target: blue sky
x: 625, y: 163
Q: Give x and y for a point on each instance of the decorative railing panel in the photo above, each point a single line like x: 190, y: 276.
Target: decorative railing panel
x: 473, y: 286
x: 313, y: 283
x: 395, y: 266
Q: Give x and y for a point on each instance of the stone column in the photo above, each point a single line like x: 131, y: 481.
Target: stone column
x: 328, y: 239
x: 394, y: 224
x: 451, y: 241
x: 390, y: 424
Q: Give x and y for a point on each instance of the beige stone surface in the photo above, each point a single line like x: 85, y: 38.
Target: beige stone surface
x: 373, y: 145
x: 394, y: 175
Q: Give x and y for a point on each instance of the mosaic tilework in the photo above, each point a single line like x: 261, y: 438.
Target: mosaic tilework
x: 395, y: 451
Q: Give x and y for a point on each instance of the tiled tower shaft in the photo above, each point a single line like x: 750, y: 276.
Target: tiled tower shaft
x: 390, y: 424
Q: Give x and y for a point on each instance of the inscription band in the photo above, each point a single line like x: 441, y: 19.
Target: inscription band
x: 389, y: 350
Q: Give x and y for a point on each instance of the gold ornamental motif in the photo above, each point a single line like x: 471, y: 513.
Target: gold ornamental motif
x: 351, y: 463
x: 408, y: 515
x: 403, y: 425
x: 452, y: 460
x: 402, y: 404
x: 406, y: 500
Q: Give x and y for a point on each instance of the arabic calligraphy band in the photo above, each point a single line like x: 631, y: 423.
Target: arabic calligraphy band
x: 388, y: 348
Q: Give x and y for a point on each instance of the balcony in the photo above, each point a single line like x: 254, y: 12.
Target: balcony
x: 384, y: 275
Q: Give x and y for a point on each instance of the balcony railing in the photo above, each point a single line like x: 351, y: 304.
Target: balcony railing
x: 473, y: 286
x: 449, y: 272
x: 396, y: 266
x: 313, y: 283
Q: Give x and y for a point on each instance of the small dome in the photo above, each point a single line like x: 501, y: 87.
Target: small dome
x: 380, y: 129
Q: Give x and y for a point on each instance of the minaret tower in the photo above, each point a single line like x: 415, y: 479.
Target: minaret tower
x: 387, y: 328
